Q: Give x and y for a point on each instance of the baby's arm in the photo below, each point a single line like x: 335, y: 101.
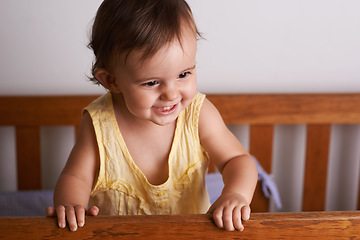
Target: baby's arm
x: 74, y: 185
x: 236, y: 166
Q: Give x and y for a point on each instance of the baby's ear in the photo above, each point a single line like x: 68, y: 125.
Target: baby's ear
x: 107, y: 80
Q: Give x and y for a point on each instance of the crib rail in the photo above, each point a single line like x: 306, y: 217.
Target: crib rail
x: 311, y: 225
x: 261, y: 111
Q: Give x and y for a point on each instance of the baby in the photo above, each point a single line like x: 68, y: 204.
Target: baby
x: 144, y: 147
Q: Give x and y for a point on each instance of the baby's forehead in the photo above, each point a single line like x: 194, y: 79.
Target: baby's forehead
x: 187, y: 42
x: 174, y: 58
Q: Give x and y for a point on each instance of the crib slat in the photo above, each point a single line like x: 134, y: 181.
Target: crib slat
x: 76, y: 130
x: 317, y: 154
x: 28, y: 158
x: 358, y: 203
x: 261, y: 141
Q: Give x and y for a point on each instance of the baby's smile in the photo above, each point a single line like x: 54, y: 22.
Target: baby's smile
x: 166, y: 109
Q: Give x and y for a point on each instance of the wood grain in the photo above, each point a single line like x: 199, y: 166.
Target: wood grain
x: 42, y: 110
x: 288, y: 108
x: 316, y: 167
x: 319, y: 225
x: 261, y: 146
x: 234, y: 108
x: 28, y: 158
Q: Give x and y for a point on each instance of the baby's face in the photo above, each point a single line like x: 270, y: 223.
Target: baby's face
x: 160, y: 87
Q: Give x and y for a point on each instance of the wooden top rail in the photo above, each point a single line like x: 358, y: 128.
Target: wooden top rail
x: 319, y: 225
x: 42, y: 110
x: 288, y: 108
x: 234, y: 108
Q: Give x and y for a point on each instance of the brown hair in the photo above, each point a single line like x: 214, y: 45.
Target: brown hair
x: 124, y: 25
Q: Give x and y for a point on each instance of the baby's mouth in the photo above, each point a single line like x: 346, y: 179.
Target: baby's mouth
x: 166, y: 109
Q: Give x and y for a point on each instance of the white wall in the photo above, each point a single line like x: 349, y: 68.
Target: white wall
x: 279, y: 45
x: 44, y: 46
x: 252, y: 46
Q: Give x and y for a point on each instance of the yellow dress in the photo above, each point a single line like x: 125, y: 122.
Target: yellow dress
x: 122, y: 189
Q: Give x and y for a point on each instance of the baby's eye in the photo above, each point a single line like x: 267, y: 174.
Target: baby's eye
x: 150, y: 84
x: 183, y: 75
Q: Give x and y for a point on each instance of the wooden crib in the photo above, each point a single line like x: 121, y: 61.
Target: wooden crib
x: 261, y: 111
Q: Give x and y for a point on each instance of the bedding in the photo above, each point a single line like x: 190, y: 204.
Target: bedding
x: 25, y: 203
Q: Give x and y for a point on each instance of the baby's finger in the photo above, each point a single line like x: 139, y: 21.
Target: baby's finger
x: 228, y: 218
x: 237, y: 218
x: 218, y: 217
x: 50, y: 212
x: 60, y: 212
x: 71, y: 218
x: 245, y: 213
x: 80, y: 215
x: 92, y: 211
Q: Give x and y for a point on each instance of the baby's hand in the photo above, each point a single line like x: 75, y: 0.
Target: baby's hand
x: 75, y: 215
x: 228, y: 210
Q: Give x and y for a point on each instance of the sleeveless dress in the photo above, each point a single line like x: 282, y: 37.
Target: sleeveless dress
x: 122, y: 189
